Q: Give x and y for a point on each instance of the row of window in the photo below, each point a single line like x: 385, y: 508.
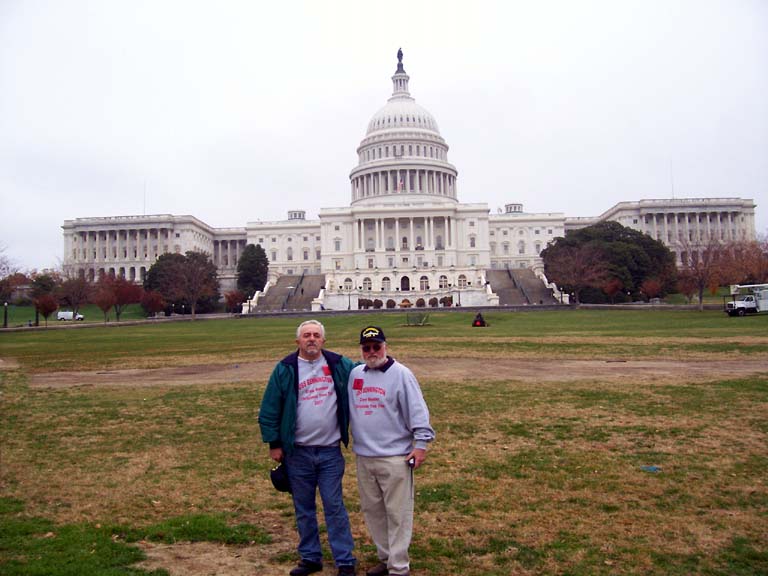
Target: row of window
x: 423, y: 151
x: 418, y: 120
x: 505, y: 232
x: 105, y: 253
x: 273, y: 239
x: 691, y: 218
x: 289, y: 254
x: 405, y: 282
x: 521, y: 247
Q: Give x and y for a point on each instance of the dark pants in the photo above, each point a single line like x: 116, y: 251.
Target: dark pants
x: 320, y: 467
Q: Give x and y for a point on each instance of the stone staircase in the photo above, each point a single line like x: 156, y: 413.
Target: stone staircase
x: 535, y: 291
x: 518, y: 287
x: 292, y: 293
x: 504, y: 285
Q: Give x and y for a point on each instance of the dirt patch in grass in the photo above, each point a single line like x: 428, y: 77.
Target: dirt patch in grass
x: 204, y: 558
x: 463, y: 369
x: 8, y: 364
x: 537, y: 467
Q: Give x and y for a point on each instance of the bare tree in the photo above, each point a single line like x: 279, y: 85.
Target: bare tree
x: 613, y: 287
x: 104, y: 295
x: 152, y: 302
x: 197, y: 279
x: 704, y: 265
x: 74, y: 292
x: 651, y: 287
x: 126, y: 293
x: 46, y: 305
x: 577, y: 267
x: 234, y: 300
x: 745, y: 262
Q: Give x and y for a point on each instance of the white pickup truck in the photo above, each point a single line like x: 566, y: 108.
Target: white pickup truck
x: 744, y: 304
x: 68, y: 315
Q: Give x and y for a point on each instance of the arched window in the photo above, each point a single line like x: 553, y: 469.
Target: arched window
x: 367, y: 285
x: 472, y: 242
x: 405, y: 283
x: 418, y: 241
x: 439, y: 242
x: 521, y: 247
x: 538, y: 248
x: 386, y: 284
x: 423, y: 283
x: 462, y: 281
x: 405, y: 243
x: 443, y: 282
x: 289, y: 253
x: 347, y: 283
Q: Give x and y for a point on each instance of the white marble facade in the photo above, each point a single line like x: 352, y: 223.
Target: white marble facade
x: 405, y: 230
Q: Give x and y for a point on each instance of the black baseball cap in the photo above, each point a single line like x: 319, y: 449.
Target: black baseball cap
x: 279, y: 477
x: 372, y: 334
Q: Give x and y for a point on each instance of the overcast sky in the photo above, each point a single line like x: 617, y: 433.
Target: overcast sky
x: 236, y: 111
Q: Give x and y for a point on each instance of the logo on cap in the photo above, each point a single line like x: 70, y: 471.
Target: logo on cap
x: 372, y: 333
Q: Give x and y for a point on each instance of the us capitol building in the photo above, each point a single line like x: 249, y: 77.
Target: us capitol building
x: 405, y: 239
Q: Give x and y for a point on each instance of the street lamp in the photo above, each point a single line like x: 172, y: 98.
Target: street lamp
x: 5, y: 315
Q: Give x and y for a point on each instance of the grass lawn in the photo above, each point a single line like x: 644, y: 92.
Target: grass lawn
x: 654, y: 475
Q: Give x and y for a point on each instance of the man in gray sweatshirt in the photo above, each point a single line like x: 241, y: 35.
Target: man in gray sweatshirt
x: 389, y: 420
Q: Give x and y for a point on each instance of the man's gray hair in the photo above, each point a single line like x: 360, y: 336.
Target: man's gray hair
x: 298, y: 330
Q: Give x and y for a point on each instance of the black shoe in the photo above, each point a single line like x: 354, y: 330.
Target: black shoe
x: 349, y: 570
x: 379, y: 570
x: 306, y: 567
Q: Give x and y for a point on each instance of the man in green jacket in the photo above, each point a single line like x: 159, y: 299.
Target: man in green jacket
x: 304, y: 416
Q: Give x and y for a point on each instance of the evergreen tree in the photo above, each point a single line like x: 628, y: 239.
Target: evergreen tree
x: 626, y: 255
x: 185, y: 282
x: 252, y: 270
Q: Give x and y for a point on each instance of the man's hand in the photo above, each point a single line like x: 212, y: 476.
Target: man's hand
x: 276, y: 454
x: 418, y: 455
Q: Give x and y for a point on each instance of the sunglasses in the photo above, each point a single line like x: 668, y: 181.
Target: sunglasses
x: 367, y: 347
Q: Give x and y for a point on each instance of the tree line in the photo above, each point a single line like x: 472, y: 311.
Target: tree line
x: 609, y: 262
x: 175, y: 283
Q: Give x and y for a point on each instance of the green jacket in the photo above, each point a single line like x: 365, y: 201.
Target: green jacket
x: 277, y: 416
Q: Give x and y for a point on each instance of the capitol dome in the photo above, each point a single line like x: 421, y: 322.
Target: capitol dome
x: 402, y: 153
x: 402, y: 112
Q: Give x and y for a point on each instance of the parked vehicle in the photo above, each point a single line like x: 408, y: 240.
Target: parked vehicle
x: 747, y: 299
x: 68, y: 315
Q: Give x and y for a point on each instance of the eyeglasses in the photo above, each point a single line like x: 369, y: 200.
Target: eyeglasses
x: 367, y: 347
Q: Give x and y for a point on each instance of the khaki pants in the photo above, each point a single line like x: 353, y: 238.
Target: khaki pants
x: 386, y: 499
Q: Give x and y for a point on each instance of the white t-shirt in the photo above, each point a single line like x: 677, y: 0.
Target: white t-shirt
x: 317, y: 422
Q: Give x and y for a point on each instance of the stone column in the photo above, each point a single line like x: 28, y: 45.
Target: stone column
x: 411, y: 245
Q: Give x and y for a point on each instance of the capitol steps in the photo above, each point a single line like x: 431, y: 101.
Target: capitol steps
x: 518, y: 287
x: 292, y: 293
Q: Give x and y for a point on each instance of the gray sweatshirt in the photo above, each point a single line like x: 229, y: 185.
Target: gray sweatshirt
x: 387, y: 412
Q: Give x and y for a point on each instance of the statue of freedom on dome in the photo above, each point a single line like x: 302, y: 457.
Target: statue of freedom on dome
x: 400, y: 55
